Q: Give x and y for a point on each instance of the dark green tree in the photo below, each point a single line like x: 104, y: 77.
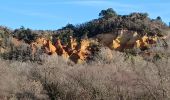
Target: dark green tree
x: 25, y: 34
x: 109, y: 13
x: 159, y: 18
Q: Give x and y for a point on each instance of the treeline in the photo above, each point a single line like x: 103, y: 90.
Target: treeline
x: 108, y: 21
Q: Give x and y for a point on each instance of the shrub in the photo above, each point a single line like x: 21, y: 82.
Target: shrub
x: 126, y: 79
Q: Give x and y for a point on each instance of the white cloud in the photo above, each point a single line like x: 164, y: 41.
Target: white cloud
x: 92, y: 3
x: 99, y: 3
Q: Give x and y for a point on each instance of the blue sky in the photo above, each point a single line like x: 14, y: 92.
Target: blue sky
x: 54, y: 14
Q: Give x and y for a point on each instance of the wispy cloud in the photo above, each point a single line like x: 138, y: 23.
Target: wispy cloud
x: 99, y: 3
x: 92, y: 3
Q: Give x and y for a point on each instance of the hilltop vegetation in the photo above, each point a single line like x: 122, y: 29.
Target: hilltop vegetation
x: 113, y: 57
x: 108, y: 21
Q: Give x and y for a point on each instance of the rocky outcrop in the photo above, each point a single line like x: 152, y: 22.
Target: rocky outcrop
x: 126, y: 39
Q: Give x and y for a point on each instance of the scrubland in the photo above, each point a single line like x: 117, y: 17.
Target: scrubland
x: 125, y: 77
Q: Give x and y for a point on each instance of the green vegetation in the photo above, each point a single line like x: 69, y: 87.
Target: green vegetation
x: 109, y: 21
x: 24, y: 34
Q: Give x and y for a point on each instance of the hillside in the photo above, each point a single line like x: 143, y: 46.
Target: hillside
x: 115, y: 56
x: 134, y: 33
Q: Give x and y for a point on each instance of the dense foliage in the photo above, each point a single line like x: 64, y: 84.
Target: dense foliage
x: 109, y: 21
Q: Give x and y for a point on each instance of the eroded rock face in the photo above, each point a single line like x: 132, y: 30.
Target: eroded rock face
x: 122, y: 40
x: 118, y: 39
x: 79, y: 52
x: 40, y: 41
x: 126, y: 39
x: 82, y: 52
